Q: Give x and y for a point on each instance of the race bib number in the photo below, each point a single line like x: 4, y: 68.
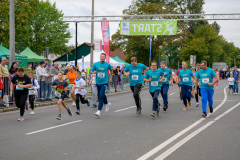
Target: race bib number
x: 79, y: 90
x: 101, y: 75
x: 205, y: 80
x: 31, y: 92
x: 134, y: 77
x: 154, y: 83
x: 164, y: 80
x: 57, y: 94
x: 18, y: 88
x: 185, y: 79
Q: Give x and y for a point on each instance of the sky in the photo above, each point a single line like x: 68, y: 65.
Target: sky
x: 229, y: 29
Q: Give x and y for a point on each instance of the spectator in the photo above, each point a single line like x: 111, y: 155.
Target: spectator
x: 17, y: 63
x: 5, y: 74
x: 13, y: 67
x: 48, y: 82
x: 114, y: 78
x: 124, y: 77
x: 41, y: 75
x: 83, y: 74
x: 55, y: 69
x: 30, y: 66
x: 8, y: 61
x: 119, y: 76
x: 66, y: 70
x: 35, y: 67
x: 60, y: 69
x: 46, y: 61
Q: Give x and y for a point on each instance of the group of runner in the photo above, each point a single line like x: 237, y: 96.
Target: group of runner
x: 159, y: 81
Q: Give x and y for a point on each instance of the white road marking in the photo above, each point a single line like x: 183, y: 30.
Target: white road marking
x: 124, y: 109
x: 42, y: 130
x: 167, y: 142
x: 172, y: 94
x: 193, y: 134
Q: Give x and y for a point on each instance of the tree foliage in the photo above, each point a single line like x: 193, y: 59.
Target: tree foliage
x: 38, y: 24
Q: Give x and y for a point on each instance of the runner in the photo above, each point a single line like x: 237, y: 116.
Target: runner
x: 153, y: 77
x: 60, y: 93
x: 206, y: 76
x: 185, y: 76
x: 23, y: 82
x: 198, y: 86
x: 32, y: 91
x: 165, y: 84
x: 101, y: 70
x: 179, y: 83
x: 79, y: 91
x: 134, y: 70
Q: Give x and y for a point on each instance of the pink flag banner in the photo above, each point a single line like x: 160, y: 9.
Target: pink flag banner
x: 106, y: 37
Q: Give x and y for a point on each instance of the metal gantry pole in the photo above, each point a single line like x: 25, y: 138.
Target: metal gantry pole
x: 12, y: 32
x: 76, y: 45
x: 92, y: 35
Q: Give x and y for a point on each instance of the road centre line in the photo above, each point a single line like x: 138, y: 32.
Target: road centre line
x: 173, y: 138
x: 193, y: 134
x: 134, y: 106
x: 42, y: 130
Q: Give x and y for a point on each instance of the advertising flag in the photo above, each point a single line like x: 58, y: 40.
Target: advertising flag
x: 106, y: 37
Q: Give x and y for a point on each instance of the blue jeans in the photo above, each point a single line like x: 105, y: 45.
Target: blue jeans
x: 48, y: 89
x: 164, y: 93
x: 207, y: 95
x: 186, y: 93
x: 41, y: 90
x: 156, y: 103
x: 235, y: 88
x: 102, y: 97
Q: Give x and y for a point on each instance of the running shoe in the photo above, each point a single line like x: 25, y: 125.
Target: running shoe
x: 197, y: 105
x: 138, y: 111
x: 98, y: 113
x: 78, y: 112
x: 211, y: 109
x: 190, y: 103
x: 158, y: 111
x: 73, y: 104
x: 94, y: 106
x: 58, y: 117
x: 32, y: 112
x: 107, y: 106
x: 192, y: 96
x: 88, y: 103
x: 165, y: 108
x: 204, y: 115
x: 69, y: 112
x: 185, y: 108
x: 21, y: 118
x: 153, y: 114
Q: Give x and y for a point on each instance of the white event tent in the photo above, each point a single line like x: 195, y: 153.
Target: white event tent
x: 96, y: 58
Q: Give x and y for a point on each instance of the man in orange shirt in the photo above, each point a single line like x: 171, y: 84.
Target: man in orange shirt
x: 71, y: 75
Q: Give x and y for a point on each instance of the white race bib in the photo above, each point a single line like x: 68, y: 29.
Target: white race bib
x: 135, y: 77
x: 101, y: 75
x: 164, y: 80
x: 31, y: 92
x: 185, y: 79
x: 57, y: 94
x: 79, y: 90
x: 154, y: 83
x: 17, y: 88
x: 205, y: 80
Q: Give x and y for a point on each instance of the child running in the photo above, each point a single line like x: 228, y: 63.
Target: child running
x: 61, y: 88
x: 231, y: 83
x: 78, y: 91
x: 32, y: 91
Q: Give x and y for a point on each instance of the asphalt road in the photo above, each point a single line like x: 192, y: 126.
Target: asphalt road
x: 120, y: 134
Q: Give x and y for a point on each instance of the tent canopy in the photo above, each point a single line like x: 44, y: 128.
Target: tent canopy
x: 96, y: 58
x: 21, y: 58
x: 31, y: 56
x: 120, y: 60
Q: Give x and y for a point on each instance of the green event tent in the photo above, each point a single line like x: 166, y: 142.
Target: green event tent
x: 31, y: 56
x: 22, y: 59
x: 120, y: 60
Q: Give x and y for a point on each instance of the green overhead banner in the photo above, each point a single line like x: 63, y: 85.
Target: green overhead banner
x: 148, y: 28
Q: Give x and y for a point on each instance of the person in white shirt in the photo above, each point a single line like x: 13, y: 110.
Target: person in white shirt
x: 32, y: 91
x: 79, y: 91
x: 41, y: 74
x: 231, y: 83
